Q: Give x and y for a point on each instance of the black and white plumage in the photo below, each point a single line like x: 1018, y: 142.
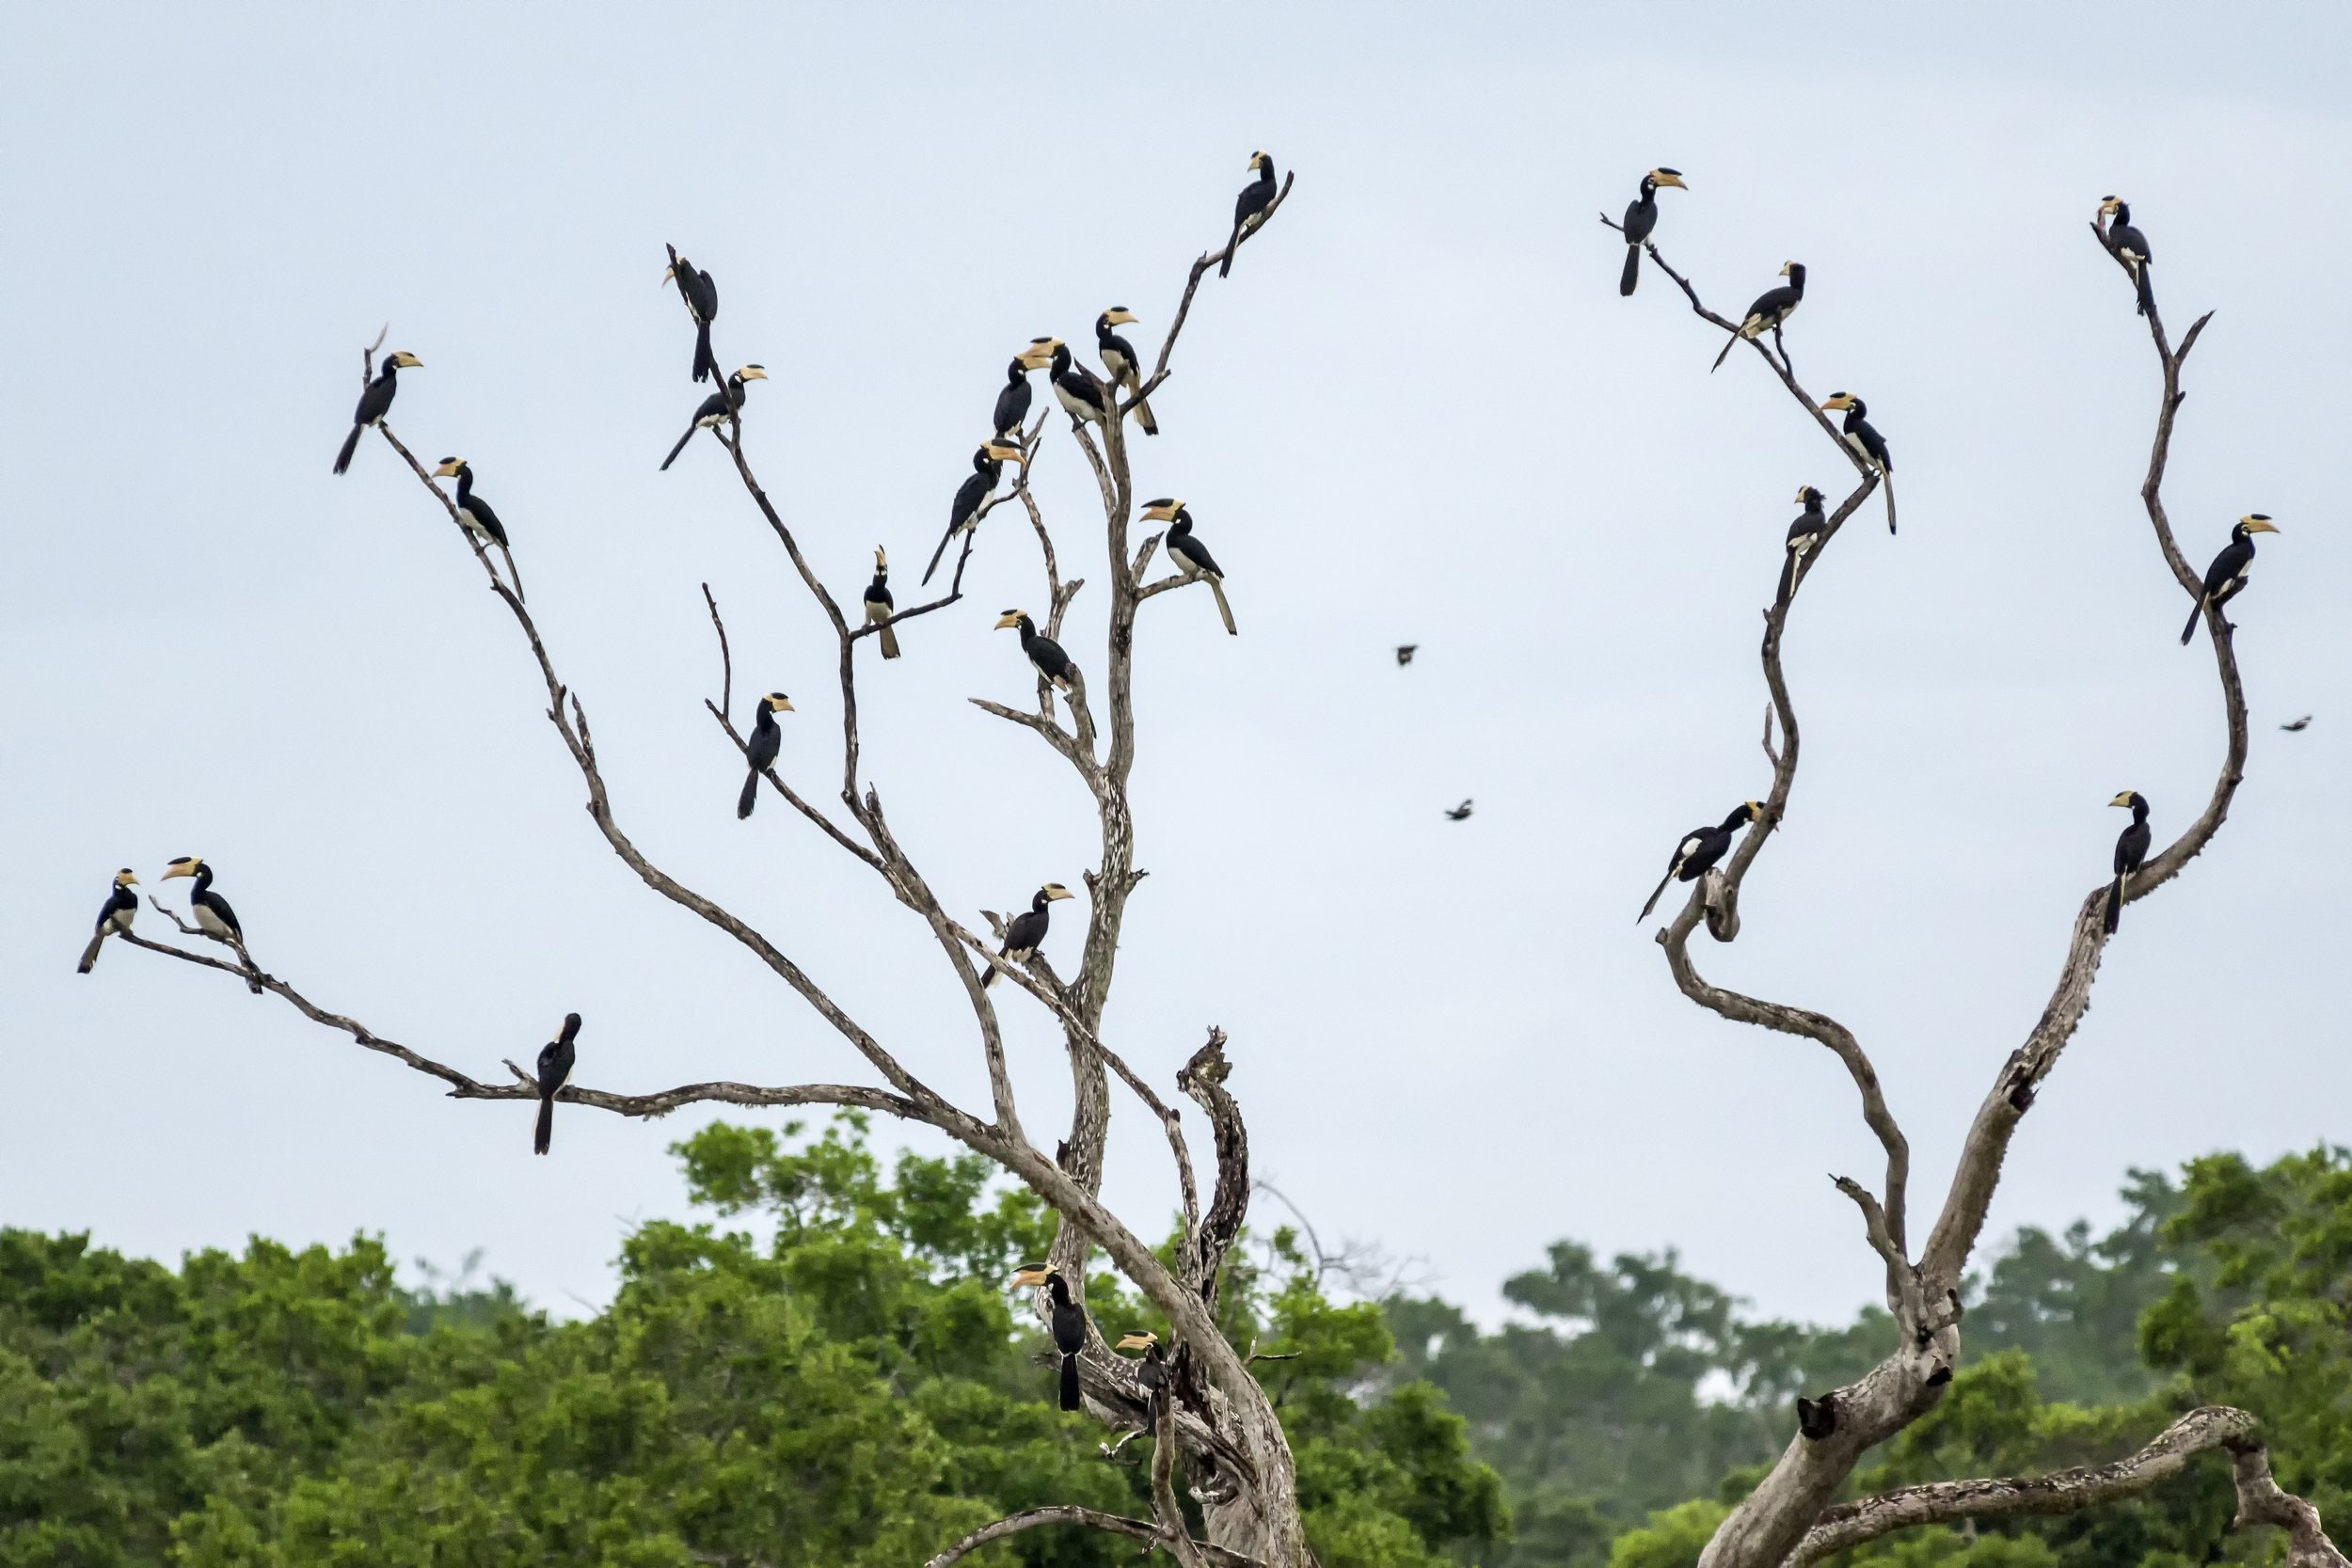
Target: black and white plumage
x: 1024, y: 933
x: 1119, y: 362
x: 702, y: 303
x: 1405, y: 652
x: 2131, y: 247
x: 879, y: 605
x: 1249, y: 208
x: 1152, y: 1370
x: 1065, y: 1317
x: 1013, y: 404
x: 761, y: 750
x: 555, y: 1071
x: 1772, y: 307
x: 2296, y: 726
x: 1080, y: 392
x: 1641, y: 221
x: 475, y: 516
x: 209, y: 909
x: 717, y: 408
x: 1805, y: 537
x: 1867, y: 443
x: 1699, y: 849
x: 1045, y: 653
x: 375, y: 401
x: 2131, y: 852
x: 2226, y: 578
x: 1191, y: 556
x: 988, y: 465
x: 113, y: 917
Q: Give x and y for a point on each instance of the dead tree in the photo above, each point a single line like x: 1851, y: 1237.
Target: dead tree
x: 1790, y: 1518
x: 1233, y: 1454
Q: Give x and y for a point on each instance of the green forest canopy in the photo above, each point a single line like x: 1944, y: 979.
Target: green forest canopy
x: 859, y: 1390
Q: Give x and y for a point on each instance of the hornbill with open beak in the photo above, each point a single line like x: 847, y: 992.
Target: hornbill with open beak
x: 1026, y: 932
x: 555, y: 1071
x: 1805, y: 537
x: 879, y: 606
x: 2129, y: 243
x: 1082, y: 396
x: 1864, y: 438
x: 761, y: 751
x: 475, y: 515
x: 2131, y: 851
x: 1045, y: 653
x: 1641, y: 219
x: 702, y: 303
x: 1118, y: 358
x: 375, y: 401
x: 1700, y: 848
x: 1191, y: 556
x: 1066, y: 1317
x: 1013, y: 404
x: 1772, y: 307
x: 2226, y: 578
x: 717, y: 408
x: 1249, y: 208
x: 209, y: 909
x: 964, y: 511
x: 113, y: 917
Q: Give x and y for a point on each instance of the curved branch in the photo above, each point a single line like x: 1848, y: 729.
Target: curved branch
x: 1093, y: 1519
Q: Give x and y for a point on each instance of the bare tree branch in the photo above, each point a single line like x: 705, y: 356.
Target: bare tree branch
x: 1093, y: 1519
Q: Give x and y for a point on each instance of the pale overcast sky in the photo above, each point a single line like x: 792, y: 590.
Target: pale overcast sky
x: 1418, y: 411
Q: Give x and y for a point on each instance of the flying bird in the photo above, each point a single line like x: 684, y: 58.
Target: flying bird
x: 1405, y: 652
x: 113, y: 917
x: 761, y: 751
x: 1459, y: 813
x: 2298, y: 725
x: 1641, y: 219
x: 1772, y: 307
x: 1249, y: 208
x: 375, y: 401
x: 555, y: 1071
x: 2226, y: 578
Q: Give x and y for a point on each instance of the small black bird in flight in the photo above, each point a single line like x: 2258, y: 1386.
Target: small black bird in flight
x: 1405, y: 652
x: 2297, y: 725
x: 2131, y: 245
x: 1026, y: 932
x: 1067, y: 1320
x: 120, y: 907
x: 1700, y: 848
x: 1641, y: 219
x: 2226, y: 578
x: 555, y: 1071
x: 702, y: 303
x: 1772, y: 307
x: 2131, y: 851
x: 375, y: 401
x: 761, y: 750
x: 1249, y: 208
x: 1461, y: 812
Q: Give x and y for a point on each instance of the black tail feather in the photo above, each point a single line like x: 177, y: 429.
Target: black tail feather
x: 1655, y: 894
x: 351, y: 444
x: 1788, y: 581
x: 1887, y: 476
x: 750, y: 797
x: 90, y: 954
x: 1725, y: 355
x: 1069, y: 1383
x: 1632, y: 273
x: 679, y: 448
x: 2115, y: 904
x: 543, y: 1134
x: 2147, y: 293
x: 2190, y: 630
x: 937, y: 556
x: 704, y: 366
x: 1225, y: 267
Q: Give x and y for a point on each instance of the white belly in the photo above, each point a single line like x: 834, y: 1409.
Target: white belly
x: 207, y: 922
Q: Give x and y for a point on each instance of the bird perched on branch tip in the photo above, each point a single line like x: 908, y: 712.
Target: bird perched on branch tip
x: 375, y: 401
x: 702, y: 303
x: 2131, y: 247
x: 1641, y: 219
x: 1249, y: 208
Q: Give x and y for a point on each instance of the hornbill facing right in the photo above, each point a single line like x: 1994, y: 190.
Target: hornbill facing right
x: 1700, y: 848
x: 1013, y: 404
x: 964, y: 511
x: 717, y: 408
x: 2226, y: 578
x: 555, y: 1071
x: 1026, y: 932
x: 1772, y: 307
x: 2131, y: 851
x: 113, y: 917
x: 375, y: 401
x: 1066, y: 1317
x: 1804, y: 536
x: 1641, y: 219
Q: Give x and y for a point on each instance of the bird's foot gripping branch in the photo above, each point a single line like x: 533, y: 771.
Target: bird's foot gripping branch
x: 1790, y: 1517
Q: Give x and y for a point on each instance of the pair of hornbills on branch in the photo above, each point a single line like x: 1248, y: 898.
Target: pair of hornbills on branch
x: 1066, y: 1320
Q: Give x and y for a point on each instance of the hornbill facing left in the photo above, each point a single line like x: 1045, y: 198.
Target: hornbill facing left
x: 702, y: 303
x: 1066, y: 1317
x: 1045, y: 653
x: 1804, y: 536
x: 1700, y: 848
x: 1191, y: 556
x: 1082, y: 396
x: 2226, y: 578
x: 717, y: 408
x: 1864, y: 438
x: 555, y: 1071
x: 1641, y: 219
x: 1118, y: 358
x: 375, y: 401
x: 2131, y: 851
x: 1772, y: 307
x: 1249, y: 208
x: 2131, y: 245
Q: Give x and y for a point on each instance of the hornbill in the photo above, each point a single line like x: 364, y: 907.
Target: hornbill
x: 1700, y: 848
x: 2226, y: 578
x: 1150, y: 1369
x: 1249, y: 208
x: 1867, y: 443
x: 879, y: 605
x: 375, y: 401
x: 114, y: 916
x: 1024, y: 931
x: 1817, y: 1418
x: 2131, y: 850
x: 1082, y: 393
x: 2130, y: 245
x: 1641, y: 219
x: 717, y: 407
x: 1067, y: 1320
x: 210, y: 912
x: 1191, y: 556
x: 555, y: 1071
x: 1118, y: 357
x: 1043, y: 652
x: 761, y: 750
x: 1804, y: 536
x: 964, y: 511
x: 474, y: 513
x: 702, y: 303
x: 1013, y: 404
x: 1772, y: 307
